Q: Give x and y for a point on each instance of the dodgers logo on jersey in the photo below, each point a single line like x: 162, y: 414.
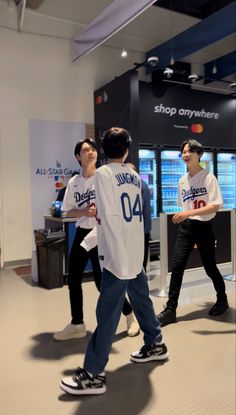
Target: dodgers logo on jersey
x: 84, y: 198
x: 193, y: 192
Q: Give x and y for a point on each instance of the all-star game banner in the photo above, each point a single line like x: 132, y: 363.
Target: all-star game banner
x: 52, y: 162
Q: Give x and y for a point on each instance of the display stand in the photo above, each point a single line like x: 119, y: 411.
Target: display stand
x: 224, y: 230
x: 68, y: 226
x: 162, y: 291
x: 232, y: 277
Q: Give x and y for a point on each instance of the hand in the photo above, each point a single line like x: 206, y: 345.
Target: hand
x: 90, y: 211
x: 179, y: 217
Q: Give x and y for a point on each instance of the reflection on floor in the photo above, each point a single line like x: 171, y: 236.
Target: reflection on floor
x: 198, y: 379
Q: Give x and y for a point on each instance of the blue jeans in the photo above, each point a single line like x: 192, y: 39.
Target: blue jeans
x: 108, y: 311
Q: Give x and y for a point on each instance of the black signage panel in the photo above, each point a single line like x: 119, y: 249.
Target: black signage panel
x: 112, y: 105
x: 222, y: 232
x: 169, y: 115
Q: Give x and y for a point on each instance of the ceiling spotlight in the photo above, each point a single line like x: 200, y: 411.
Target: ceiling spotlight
x: 168, y: 72
x: 124, y: 53
x: 214, y: 69
x: 233, y: 86
x: 152, y: 60
x: 193, y: 77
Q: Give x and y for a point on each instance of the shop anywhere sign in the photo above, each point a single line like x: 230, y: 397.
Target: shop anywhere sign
x: 170, y: 115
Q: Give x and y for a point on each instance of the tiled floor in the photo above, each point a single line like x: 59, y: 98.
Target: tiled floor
x: 198, y: 379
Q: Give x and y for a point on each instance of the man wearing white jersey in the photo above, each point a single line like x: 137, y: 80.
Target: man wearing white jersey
x: 120, y: 223
x: 200, y: 198
x: 80, y: 202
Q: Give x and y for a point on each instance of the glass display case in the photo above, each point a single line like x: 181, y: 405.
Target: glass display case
x: 148, y: 172
x: 226, y: 172
x: 172, y: 168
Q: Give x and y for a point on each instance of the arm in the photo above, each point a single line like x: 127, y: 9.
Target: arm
x: 68, y: 205
x: 181, y: 216
x: 90, y: 240
x: 89, y: 211
x: 212, y: 206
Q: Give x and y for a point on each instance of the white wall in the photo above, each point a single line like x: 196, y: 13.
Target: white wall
x: 38, y: 80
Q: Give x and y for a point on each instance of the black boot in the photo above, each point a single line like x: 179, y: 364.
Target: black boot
x: 167, y: 316
x: 220, y: 306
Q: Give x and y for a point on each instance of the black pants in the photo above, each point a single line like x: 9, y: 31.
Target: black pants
x: 77, y: 263
x: 193, y: 232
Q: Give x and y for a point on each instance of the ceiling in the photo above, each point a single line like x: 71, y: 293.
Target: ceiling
x: 160, y: 23
x: 199, y: 9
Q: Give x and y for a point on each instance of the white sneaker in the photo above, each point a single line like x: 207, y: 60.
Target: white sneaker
x: 83, y: 383
x: 132, y: 325
x: 71, y: 331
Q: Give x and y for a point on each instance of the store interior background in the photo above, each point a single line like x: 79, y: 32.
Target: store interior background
x: 39, y: 81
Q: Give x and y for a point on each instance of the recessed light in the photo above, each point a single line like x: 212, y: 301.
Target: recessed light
x: 124, y: 53
x: 214, y: 69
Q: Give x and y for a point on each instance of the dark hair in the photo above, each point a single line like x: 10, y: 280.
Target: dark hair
x: 194, y: 146
x: 79, y: 145
x: 116, y: 142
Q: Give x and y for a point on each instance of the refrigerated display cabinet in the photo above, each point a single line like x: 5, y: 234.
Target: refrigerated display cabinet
x: 172, y: 168
x: 148, y: 172
x: 226, y: 172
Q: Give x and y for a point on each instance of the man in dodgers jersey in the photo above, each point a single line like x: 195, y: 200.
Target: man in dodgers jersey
x: 200, y: 198
x: 80, y: 202
x: 120, y: 245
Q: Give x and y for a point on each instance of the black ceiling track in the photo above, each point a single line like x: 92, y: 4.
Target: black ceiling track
x: 199, y: 9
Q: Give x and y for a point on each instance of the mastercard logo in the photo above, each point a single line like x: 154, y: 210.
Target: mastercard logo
x: 59, y: 185
x: 98, y: 100
x: 197, y: 128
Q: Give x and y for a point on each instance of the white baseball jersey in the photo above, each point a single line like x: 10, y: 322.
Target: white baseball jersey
x: 120, y: 231
x: 80, y: 192
x: 198, y: 191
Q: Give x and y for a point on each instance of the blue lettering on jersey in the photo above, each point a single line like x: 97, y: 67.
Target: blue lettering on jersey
x: 192, y: 193
x: 130, y: 211
x: 84, y: 198
x: 123, y: 178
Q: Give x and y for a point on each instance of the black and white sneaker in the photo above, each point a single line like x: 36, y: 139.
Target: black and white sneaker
x: 82, y: 383
x: 156, y: 351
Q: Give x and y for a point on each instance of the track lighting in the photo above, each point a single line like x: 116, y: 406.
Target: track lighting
x: 193, y: 78
x: 168, y: 72
x: 233, y: 86
x: 152, y: 60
